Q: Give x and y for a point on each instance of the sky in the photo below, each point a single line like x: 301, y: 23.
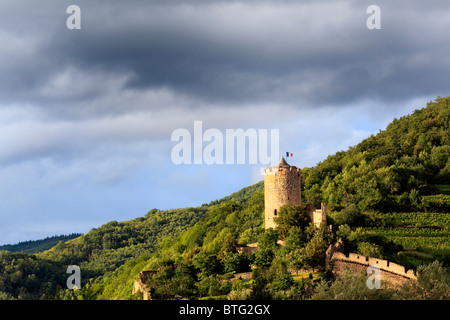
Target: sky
x: 87, y: 115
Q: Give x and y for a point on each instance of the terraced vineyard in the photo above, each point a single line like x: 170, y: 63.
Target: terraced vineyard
x: 424, y: 235
x: 418, y: 238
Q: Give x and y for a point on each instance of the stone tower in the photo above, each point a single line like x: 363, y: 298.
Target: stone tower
x: 282, y: 185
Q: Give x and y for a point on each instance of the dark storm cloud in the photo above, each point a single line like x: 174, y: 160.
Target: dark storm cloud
x: 224, y: 52
x: 242, y: 52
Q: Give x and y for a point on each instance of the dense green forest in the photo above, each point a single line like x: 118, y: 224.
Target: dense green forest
x: 388, y: 197
x: 399, y: 169
x: 97, y: 252
x: 34, y: 246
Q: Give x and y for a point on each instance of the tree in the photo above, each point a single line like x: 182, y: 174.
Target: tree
x: 295, y: 259
x: 291, y: 216
x: 313, y: 254
x: 344, y: 231
x: 261, y: 278
x: 206, y: 263
x: 242, y: 294
x: 209, y: 286
x: 296, y: 238
x: 268, y: 239
x: 184, y: 280
x: 237, y: 262
x: 350, y: 215
x: 370, y: 250
x: 282, y: 281
x: 263, y: 257
x: 6, y: 296
x: 433, y: 283
x: 228, y: 246
x: 349, y: 286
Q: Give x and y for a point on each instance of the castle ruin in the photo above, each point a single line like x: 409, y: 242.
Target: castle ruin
x: 282, y: 185
x: 141, y: 286
x: 390, y: 273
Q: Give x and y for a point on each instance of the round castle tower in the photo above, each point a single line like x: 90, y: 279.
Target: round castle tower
x: 282, y: 185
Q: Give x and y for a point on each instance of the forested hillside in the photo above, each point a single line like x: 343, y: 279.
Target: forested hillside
x: 34, y: 246
x: 390, y: 171
x: 394, y: 184
x: 98, y: 252
x: 388, y: 197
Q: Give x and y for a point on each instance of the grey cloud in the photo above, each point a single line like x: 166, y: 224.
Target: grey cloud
x: 297, y: 53
x: 86, y: 115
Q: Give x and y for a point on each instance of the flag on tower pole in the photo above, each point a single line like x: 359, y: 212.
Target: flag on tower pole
x: 288, y: 154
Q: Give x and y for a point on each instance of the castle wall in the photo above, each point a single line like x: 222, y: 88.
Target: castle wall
x: 140, y: 286
x: 249, y: 248
x: 317, y: 216
x: 390, y: 273
x: 386, y: 278
x: 282, y: 185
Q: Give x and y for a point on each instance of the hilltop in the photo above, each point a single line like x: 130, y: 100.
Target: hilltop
x: 388, y: 197
x: 99, y: 252
x: 392, y: 170
x: 34, y: 246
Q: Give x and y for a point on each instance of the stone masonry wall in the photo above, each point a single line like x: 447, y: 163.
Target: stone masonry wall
x: 282, y: 185
x: 390, y: 272
x: 140, y: 286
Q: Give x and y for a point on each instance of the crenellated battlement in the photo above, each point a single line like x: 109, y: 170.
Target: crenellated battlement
x: 281, y: 169
x: 356, y: 259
